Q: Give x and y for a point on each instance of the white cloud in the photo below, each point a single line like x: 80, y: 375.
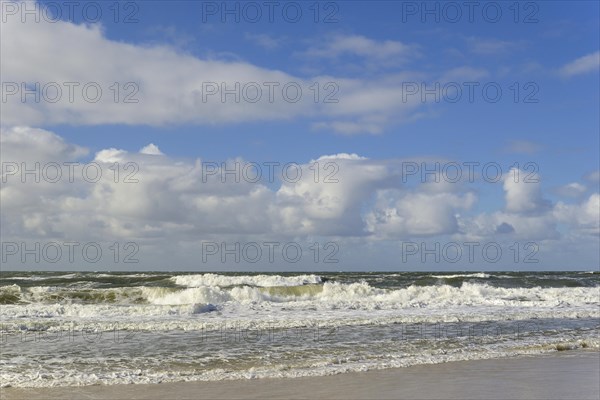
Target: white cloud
x: 523, y: 147
x: 523, y: 195
x: 169, y: 88
x: 331, y: 202
x: 151, y: 149
x: 495, y: 225
x: 264, y: 40
x: 21, y: 143
x: 490, y: 46
x: 584, y: 217
x: 464, y: 73
x: 169, y: 196
x: 349, y: 127
x: 357, y: 45
x: 582, y: 65
x: 357, y: 55
x: 529, y: 217
x: 593, y: 177
x: 175, y: 203
x: 330, y: 197
x: 407, y: 214
x: 573, y: 189
x: 173, y: 86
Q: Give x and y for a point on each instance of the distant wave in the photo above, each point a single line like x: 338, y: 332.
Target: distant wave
x: 475, y: 275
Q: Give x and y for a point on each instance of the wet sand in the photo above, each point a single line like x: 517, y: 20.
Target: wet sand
x: 562, y: 375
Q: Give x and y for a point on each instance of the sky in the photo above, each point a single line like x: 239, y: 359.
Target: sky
x: 285, y: 136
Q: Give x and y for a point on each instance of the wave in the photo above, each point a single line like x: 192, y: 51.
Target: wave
x: 192, y: 326
x: 10, y: 294
x: 328, y: 295
x: 475, y: 275
x: 250, y: 280
x: 42, y: 278
x: 14, y: 294
x: 75, y: 371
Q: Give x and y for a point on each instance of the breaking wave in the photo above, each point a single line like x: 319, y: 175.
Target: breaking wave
x: 250, y: 280
x: 327, y: 295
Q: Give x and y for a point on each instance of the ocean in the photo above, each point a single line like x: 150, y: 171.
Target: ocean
x: 86, y: 328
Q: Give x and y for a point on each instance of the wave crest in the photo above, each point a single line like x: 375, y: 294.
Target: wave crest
x: 199, y: 280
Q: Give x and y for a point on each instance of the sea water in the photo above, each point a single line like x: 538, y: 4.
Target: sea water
x: 84, y: 328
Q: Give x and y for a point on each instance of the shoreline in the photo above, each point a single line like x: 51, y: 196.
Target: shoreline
x: 561, y: 375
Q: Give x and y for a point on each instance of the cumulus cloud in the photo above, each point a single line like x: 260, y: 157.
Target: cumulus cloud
x: 21, y: 144
x: 409, y: 214
x: 151, y: 149
x: 529, y: 217
x: 523, y: 195
x: 163, y: 202
x: 332, y: 202
x: 584, y: 217
x: 522, y: 227
x: 148, y: 194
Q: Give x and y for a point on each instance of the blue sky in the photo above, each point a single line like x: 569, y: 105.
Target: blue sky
x: 373, y: 52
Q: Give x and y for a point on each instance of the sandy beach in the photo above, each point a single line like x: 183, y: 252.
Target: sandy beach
x: 562, y: 375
